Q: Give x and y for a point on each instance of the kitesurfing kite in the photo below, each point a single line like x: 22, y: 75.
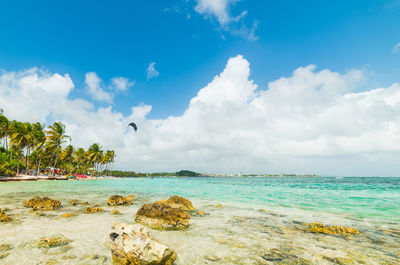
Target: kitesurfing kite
x: 133, y: 126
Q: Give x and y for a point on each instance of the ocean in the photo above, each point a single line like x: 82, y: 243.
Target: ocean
x: 262, y: 220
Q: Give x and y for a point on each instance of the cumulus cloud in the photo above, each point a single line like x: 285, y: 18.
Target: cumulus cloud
x: 215, y: 8
x: 151, y: 71
x: 396, y: 48
x: 313, y: 121
x: 121, y: 83
x: 97, y: 90
x: 94, y: 85
x: 220, y: 10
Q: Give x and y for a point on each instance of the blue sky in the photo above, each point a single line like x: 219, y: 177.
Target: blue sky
x: 222, y: 86
x: 121, y: 39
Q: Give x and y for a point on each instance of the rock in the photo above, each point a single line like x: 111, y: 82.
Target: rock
x: 54, y: 241
x: 340, y: 260
x: 179, y: 202
x: 119, y: 200
x: 283, y: 257
x: 3, y: 255
x: 5, y: 247
x: 162, y: 216
x: 219, y: 206
x: 93, y: 210
x: 65, y: 257
x: 67, y: 215
x: 84, y: 203
x: 51, y: 262
x: 319, y: 228
x: 212, y: 258
x: 74, y: 202
x: 4, y: 217
x: 202, y: 213
x: 115, y: 212
x: 133, y: 245
x: 44, y: 203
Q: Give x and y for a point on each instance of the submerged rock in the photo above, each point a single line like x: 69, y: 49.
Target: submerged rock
x: 54, y: 241
x: 284, y: 257
x: 44, y: 203
x: 340, y: 260
x: 5, y: 247
x: 219, y: 206
x: 4, y: 217
x: 179, y: 202
x: 162, y: 216
x: 133, y: 245
x: 319, y: 228
x: 93, y: 210
x: 119, y: 200
x: 115, y: 212
x: 3, y: 255
x: 67, y: 215
x: 201, y: 213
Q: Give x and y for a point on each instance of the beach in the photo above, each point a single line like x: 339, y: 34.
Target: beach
x: 247, y: 220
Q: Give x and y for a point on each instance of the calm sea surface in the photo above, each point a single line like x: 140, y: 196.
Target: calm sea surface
x: 237, y: 233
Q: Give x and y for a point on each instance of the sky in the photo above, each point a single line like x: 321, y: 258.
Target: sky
x: 223, y: 86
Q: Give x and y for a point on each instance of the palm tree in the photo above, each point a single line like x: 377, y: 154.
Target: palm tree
x: 80, y: 158
x: 38, y: 143
x: 95, y: 155
x: 30, y: 140
x: 18, y: 136
x: 4, y: 125
x: 67, y: 155
x: 56, y: 137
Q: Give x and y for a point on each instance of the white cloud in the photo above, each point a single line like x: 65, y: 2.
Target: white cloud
x: 121, y: 83
x: 396, y: 48
x: 94, y: 85
x: 215, y: 8
x: 151, y: 71
x: 219, y: 9
x: 312, y: 121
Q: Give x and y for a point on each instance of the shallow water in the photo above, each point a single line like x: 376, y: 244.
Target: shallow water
x: 237, y: 233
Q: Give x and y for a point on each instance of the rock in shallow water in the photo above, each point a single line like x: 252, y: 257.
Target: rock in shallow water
x: 133, y: 245
x: 319, y: 228
x: 119, y: 200
x: 162, y: 216
x: 93, y: 210
x: 44, y: 203
x: 178, y: 202
x: 67, y: 215
x: 54, y: 241
x: 4, y: 217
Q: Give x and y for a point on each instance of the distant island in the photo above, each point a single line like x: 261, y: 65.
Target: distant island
x: 189, y: 173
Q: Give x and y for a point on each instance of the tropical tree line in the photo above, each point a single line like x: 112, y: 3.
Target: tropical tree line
x: 31, y: 147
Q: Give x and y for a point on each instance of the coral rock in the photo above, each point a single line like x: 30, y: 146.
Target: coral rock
x: 162, y: 216
x: 319, y: 228
x: 133, y: 245
x: 4, y: 217
x: 93, y: 210
x: 55, y: 241
x: 179, y: 202
x: 67, y: 215
x: 119, y: 200
x: 44, y: 203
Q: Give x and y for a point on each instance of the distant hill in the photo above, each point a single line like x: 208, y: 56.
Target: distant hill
x: 187, y: 173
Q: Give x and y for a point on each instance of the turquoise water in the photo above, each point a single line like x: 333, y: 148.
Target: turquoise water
x: 372, y: 205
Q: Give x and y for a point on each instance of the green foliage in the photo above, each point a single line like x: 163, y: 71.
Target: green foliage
x: 31, y: 146
x: 187, y: 173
